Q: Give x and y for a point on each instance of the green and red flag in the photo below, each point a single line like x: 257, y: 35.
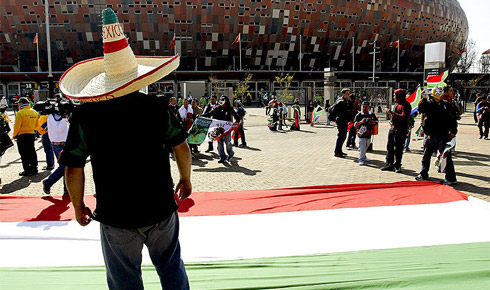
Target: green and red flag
x: 414, y: 100
x: 410, y: 235
x: 437, y: 81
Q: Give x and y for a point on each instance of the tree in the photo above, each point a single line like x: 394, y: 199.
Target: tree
x: 485, y: 63
x: 467, y: 57
x: 243, y: 86
x: 284, y: 81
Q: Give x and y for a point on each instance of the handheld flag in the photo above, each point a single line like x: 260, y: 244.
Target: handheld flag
x: 35, y: 39
x: 414, y: 100
x: 172, y: 43
x: 237, y: 40
x: 315, y: 115
x: 437, y: 81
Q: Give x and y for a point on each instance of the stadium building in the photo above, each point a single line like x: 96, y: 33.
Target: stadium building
x: 304, y: 35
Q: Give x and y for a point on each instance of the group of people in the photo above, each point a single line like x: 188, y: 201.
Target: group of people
x: 440, y: 117
x: 50, y: 125
x: 222, y: 110
x: 482, y: 115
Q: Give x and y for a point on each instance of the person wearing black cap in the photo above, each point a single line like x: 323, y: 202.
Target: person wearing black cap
x: 400, y: 116
x: 364, y: 123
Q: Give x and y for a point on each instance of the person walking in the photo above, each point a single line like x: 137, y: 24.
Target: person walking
x: 5, y: 142
x: 400, y: 116
x: 439, y: 128
x: 41, y: 127
x: 351, y: 137
x: 364, y: 123
x: 208, y: 112
x: 225, y: 112
x: 483, y: 114
x: 240, y: 132
x: 24, y: 132
x: 342, y: 112
x: 135, y: 201
x: 57, y: 127
x: 196, y: 111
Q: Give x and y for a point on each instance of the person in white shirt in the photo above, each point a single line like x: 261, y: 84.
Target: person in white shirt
x: 186, y: 113
x: 57, y: 126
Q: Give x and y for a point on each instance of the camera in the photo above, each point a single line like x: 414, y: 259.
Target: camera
x: 59, y: 107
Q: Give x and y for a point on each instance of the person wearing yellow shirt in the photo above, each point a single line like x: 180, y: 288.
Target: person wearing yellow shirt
x: 24, y: 127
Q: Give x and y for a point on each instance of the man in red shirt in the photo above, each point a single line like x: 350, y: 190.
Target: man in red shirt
x: 400, y: 115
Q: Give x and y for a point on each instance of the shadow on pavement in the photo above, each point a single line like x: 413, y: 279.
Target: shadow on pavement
x: 464, y: 186
x: 227, y: 167
x: 23, y: 182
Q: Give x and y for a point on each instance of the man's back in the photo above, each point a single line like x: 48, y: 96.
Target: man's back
x: 130, y: 165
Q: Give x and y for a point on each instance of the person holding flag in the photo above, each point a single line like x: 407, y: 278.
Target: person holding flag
x: 440, y: 128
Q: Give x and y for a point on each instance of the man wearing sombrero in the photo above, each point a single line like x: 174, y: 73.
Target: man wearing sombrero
x: 131, y: 169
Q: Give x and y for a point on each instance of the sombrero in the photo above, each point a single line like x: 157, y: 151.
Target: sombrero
x: 119, y: 72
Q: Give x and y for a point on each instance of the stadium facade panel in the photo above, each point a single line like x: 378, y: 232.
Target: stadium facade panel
x: 273, y: 33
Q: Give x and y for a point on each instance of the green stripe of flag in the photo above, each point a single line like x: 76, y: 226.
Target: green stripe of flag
x: 462, y: 266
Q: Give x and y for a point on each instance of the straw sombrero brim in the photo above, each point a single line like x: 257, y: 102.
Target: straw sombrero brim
x: 87, y: 81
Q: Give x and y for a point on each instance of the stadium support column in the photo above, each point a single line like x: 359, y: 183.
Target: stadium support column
x: 48, y: 43
x: 329, y: 80
x: 435, y: 59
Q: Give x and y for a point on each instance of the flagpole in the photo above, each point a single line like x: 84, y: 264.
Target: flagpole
x: 37, y: 48
x: 48, y: 42
x: 353, y: 53
x: 300, y: 54
x: 240, y: 49
x: 398, y: 57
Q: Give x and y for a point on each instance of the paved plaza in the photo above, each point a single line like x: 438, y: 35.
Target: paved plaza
x: 288, y: 159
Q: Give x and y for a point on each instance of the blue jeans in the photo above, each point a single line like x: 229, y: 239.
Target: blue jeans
x: 122, y: 255
x: 341, y: 135
x: 225, y: 141
x: 60, y: 171
x: 48, y: 149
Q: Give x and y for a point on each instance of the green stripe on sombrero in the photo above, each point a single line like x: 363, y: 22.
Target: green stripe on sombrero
x: 109, y: 17
x: 461, y: 266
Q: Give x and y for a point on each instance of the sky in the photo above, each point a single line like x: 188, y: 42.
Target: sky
x: 478, y: 15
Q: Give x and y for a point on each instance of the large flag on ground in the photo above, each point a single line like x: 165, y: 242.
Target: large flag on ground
x: 406, y: 235
x: 437, y: 81
x: 414, y: 100
x: 205, y: 129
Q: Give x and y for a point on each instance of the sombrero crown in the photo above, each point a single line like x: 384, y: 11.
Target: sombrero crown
x: 116, y: 74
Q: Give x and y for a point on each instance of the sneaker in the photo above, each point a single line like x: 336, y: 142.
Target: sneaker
x: 447, y: 182
x: 345, y: 154
x: 209, y: 150
x: 361, y: 163
x: 407, y: 150
x: 222, y: 161
x: 242, y: 145
x: 388, y: 167
x: 398, y: 170
x: 350, y: 148
x: 230, y: 158
x: 481, y: 137
x: 354, y: 147
x: 339, y: 155
x: 486, y: 138
x: 46, y: 189
x: 420, y: 177
x: 367, y: 160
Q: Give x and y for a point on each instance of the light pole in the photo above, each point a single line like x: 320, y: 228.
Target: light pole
x: 48, y: 42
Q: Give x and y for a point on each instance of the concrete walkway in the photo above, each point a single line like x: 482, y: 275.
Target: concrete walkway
x: 289, y: 159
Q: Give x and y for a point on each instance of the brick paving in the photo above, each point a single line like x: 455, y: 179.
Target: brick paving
x: 288, y: 159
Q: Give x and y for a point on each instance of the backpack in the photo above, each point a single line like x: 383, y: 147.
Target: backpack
x: 331, y: 113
